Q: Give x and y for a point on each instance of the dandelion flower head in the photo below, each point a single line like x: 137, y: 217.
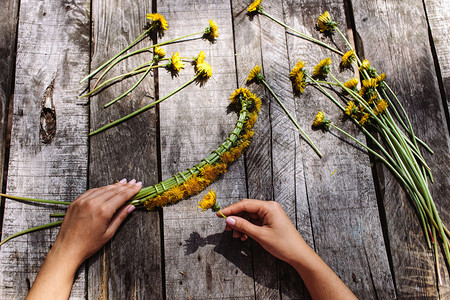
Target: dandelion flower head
x: 212, y: 31
x: 351, y: 83
x: 158, y: 20
x: 238, y: 93
x: 160, y: 52
x: 350, y: 109
x: 347, y: 59
x: 255, y: 6
x: 297, y: 68
x: 321, y: 121
x: 175, y: 63
x: 208, y: 201
x: 200, y: 58
x: 204, y: 70
x: 322, y: 69
x: 364, y: 119
x: 255, y: 74
x: 325, y: 23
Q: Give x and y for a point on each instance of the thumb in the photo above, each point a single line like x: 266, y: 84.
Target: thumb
x: 243, y: 226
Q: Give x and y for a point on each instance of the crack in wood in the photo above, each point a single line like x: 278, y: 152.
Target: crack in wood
x: 48, y: 115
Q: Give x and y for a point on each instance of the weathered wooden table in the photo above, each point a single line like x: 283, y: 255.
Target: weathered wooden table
x: 358, y: 220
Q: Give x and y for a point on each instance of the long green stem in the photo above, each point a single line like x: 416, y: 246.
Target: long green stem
x: 142, y: 109
x: 292, y: 119
x: 132, y: 88
x: 37, y: 228
x: 306, y: 37
x: 34, y: 200
x: 117, y: 55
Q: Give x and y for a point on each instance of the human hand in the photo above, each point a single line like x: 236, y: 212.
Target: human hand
x: 267, y: 223
x: 93, y: 218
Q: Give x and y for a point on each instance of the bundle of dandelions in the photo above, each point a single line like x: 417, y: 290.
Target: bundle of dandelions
x: 174, y: 64
x: 374, y: 107
x: 193, y: 180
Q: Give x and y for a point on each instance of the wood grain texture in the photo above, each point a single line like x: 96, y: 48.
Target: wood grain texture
x: 394, y: 38
x: 276, y: 139
x: 129, y: 266
x: 8, y: 30
x: 437, y: 14
x: 258, y: 158
x: 47, y: 53
x: 202, y: 261
x: 344, y: 214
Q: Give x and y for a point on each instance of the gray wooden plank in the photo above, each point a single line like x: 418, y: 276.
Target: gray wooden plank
x: 260, y: 41
x: 202, y: 262
x: 438, y: 15
x: 128, y: 267
x: 8, y: 30
x: 52, y: 53
x: 247, y: 38
x: 394, y: 38
x: 346, y: 227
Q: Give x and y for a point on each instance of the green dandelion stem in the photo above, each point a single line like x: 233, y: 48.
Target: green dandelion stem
x: 37, y: 228
x: 130, y: 89
x: 117, y: 55
x: 142, y: 109
x: 292, y: 118
x: 306, y: 37
x: 320, y: 87
x: 34, y: 200
x: 57, y: 215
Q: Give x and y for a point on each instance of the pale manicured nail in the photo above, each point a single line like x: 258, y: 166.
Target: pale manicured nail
x: 230, y: 221
x: 131, y: 208
x: 123, y: 181
x: 132, y: 181
x: 139, y: 183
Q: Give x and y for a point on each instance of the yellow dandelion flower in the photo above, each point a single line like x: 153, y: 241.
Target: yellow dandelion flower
x: 212, y: 31
x: 371, y: 83
x: 347, y: 59
x: 204, y: 70
x: 240, y: 92
x: 209, y: 201
x: 209, y: 172
x: 160, y: 52
x: 381, y: 106
x: 248, y: 135
x: 381, y: 77
x: 299, y: 82
x: 200, y: 58
x: 251, y: 121
x: 221, y: 168
x: 351, y: 84
x: 297, y: 69
x: 255, y: 6
x: 255, y: 74
x: 158, y: 20
x: 364, y: 119
x: 321, y: 121
x: 227, y: 157
x: 365, y: 65
x: 350, y: 109
x: 257, y: 102
x: 322, y: 69
x: 175, y: 63
x: 325, y: 23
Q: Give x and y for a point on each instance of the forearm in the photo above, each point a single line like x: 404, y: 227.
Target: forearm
x: 55, y: 278
x: 319, y: 278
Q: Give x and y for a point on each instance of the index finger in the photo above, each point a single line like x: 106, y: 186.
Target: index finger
x: 251, y: 206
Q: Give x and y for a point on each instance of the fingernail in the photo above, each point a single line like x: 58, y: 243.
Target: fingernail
x: 123, y: 181
x: 131, y: 208
x: 132, y: 181
x: 139, y: 183
x: 230, y: 221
